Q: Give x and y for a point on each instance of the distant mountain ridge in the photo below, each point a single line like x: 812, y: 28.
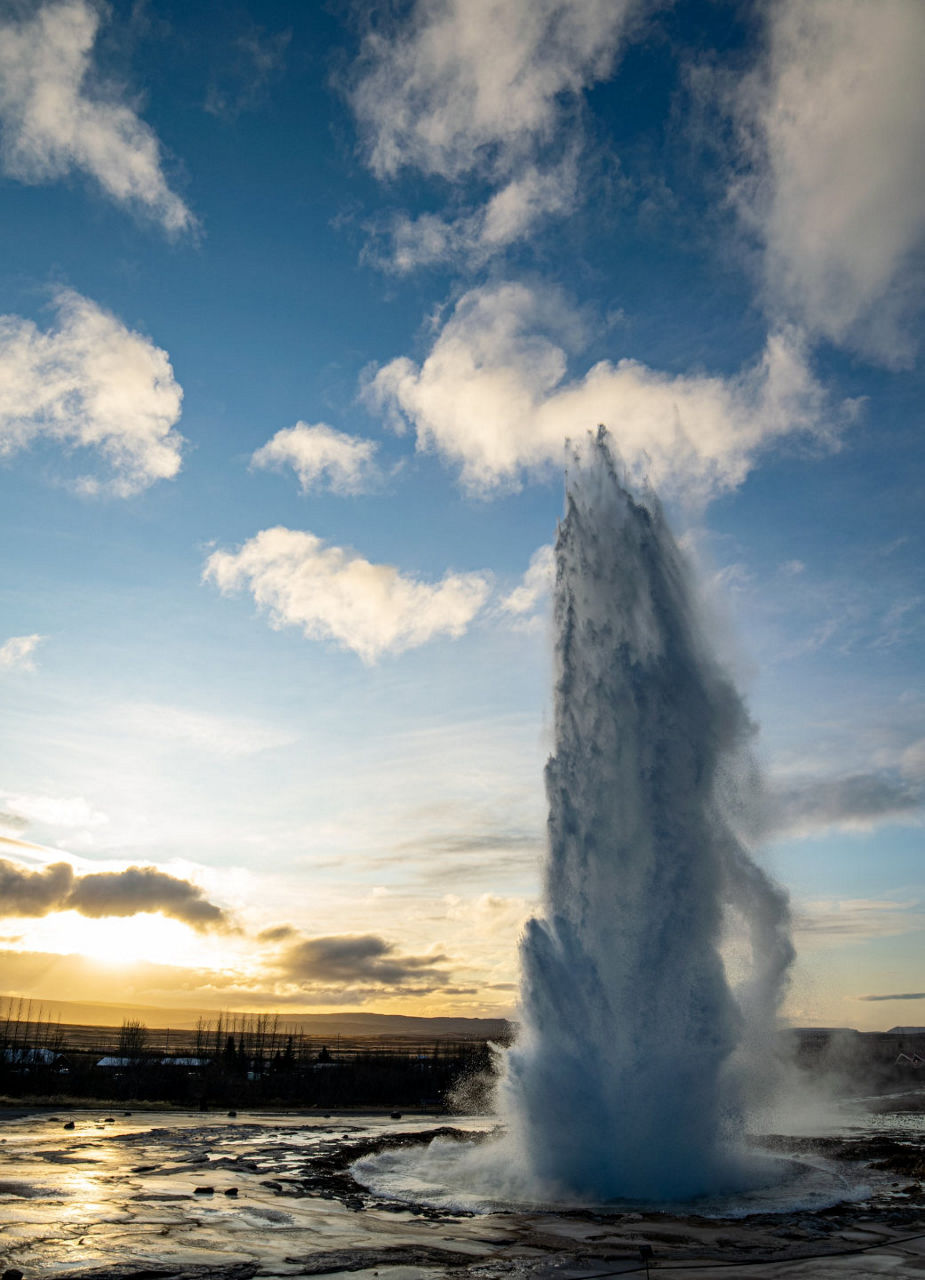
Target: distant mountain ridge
x: 349, y: 1023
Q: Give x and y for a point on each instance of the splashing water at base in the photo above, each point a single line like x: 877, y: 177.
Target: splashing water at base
x: 635, y: 1058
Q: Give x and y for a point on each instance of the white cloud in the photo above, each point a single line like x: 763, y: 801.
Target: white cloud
x: 821, y: 922
x: 536, y: 583
x: 484, y: 88
x: 317, y: 453
x: 202, y: 730
x: 470, y: 85
x: 492, y: 396
x: 333, y: 593
x: 18, y: 652
x: 834, y: 124
x: 94, y: 383
x: 54, y: 811
x: 912, y: 763
x: 53, y: 121
x: 506, y: 217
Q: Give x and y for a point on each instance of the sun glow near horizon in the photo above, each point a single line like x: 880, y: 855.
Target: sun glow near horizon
x: 119, y: 941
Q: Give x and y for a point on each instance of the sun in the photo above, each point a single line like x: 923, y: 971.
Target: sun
x: 120, y: 941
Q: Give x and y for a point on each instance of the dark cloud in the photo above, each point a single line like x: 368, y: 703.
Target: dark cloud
x: 464, y: 842
x: 359, y: 958
x: 107, y: 893
x: 278, y: 933
x: 857, y: 800
x: 34, y: 893
x: 902, y: 995
x: 463, y: 857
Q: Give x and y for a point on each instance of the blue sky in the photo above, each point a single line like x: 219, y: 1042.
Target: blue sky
x: 299, y: 305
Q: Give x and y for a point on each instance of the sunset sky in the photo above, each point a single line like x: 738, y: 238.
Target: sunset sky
x: 299, y: 305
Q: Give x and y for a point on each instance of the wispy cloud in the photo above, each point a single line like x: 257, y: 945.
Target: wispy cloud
x: 834, y: 921
x: 535, y: 585
x: 473, y: 85
x: 107, y: 893
x: 903, y: 995
x: 912, y: 760
x: 492, y: 397
x: 477, y: 90
x: 56, y: 117
x: 201, y: 730
x: 257, y: 57
x: 401, y: 243
x: 833, y: 126
x: 93, y: 383
x: 53, y: 810
x: 318, y: 454
x: 811, y: 805
x: 19, y: 652
x: 335, y: 594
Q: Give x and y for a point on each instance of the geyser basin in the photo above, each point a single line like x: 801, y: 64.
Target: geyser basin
x: 459, y: 1177
x: 635, y: 1058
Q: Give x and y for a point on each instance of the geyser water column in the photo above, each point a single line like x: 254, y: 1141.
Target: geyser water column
x: 621, y: 1083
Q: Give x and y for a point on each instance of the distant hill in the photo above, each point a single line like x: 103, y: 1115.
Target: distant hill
x: 350, y: 1023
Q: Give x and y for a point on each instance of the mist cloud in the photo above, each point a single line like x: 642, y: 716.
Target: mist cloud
x: 93, y: 383
x: 55, y: 120
x: 107, y: 893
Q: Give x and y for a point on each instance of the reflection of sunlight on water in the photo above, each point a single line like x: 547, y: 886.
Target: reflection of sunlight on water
x: 82, y: 1194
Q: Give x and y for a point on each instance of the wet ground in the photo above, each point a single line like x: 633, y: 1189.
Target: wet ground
x: 162, y: 1196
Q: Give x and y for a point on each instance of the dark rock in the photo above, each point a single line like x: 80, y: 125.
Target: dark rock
x: 69, y: 1124
x: 168, y: 1271
x: 11, y: 1273
x: 204, y: 1191
x: 232, y: 1114
x: 332, y: 1260
x: 396, y: 1115
x: 231, y: 1191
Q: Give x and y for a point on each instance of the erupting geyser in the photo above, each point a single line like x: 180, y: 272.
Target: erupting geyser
x: 637, y: 1057
x: 630, y: 1071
